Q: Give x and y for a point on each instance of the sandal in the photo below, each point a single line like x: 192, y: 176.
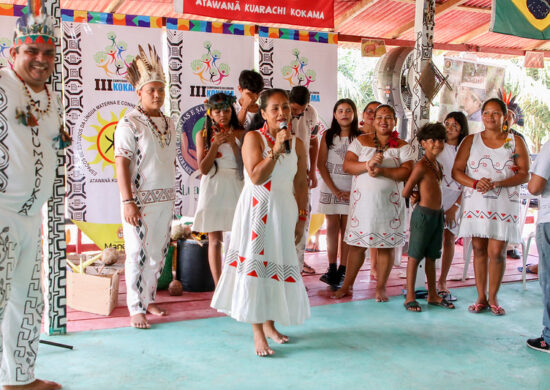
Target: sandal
x: 497, y: 310
x: 446, y: 294
x: 412, y: 306
x: 444, y: 303
x: 308, y: 269
x: 477, y: 307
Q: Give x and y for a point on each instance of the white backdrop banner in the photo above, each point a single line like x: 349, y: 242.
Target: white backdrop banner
x: 205, y: 58
x: 97, y: 50
x: 293, y: 57
x: 8, y: 14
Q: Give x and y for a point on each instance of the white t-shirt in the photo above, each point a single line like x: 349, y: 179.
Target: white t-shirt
x: 541, y: 168
x: 249, y: 115
x: 304, y: 126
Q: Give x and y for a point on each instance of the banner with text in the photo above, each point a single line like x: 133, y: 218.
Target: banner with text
x: 292, y: 57
x: 97, y: 49
x: 318, y: 13
x: 9, y: 14
x: 205, y: 58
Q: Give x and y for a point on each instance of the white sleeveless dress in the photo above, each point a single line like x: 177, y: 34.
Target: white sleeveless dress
x: 494, y: 214
x: 261, y: 278
x: 450, y: 189
x: 328, y: 203
x: 377, y: 209
x: 218, y: 194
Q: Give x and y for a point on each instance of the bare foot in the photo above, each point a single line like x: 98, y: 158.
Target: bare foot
x: 38, y: 384
x: 156, y: 311
x: 381, y: 295
x: 261, y: 346
x: 274, y: 334
x: 341, y: 293
x: 139, y: 321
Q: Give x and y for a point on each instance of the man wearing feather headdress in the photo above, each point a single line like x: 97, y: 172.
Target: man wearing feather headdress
x: 145, y: 154
x: 30, y: 126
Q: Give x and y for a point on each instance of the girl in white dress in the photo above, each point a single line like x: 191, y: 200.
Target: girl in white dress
x: 261, y: 281
x: 491, y: 166
x: 219, y: 159
x: 336, y: 185
x: 380, y: 163
x: 456, y: 125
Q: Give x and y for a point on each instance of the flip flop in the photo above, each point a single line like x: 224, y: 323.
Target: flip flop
x: 308, y: 269
x: 412, y: 305
x: 446, y: 294
x: 444, y: 303
x: 477, y: 308
x: 497, y: 310
x: 527, y: 270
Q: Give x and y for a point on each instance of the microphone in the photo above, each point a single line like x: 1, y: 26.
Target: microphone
x: 284, y: 126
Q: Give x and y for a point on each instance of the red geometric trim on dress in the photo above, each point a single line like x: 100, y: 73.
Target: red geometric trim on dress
x: 261, y: 268
x: 490, y: 215
x: 375, y: 240
x: 260, y: 207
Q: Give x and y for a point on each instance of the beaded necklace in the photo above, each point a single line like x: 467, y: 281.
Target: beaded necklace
x: 163, y: 137
x: 393, y: 141
x: 267, y: 135
x: 437, y: 171
x: 28, y: 118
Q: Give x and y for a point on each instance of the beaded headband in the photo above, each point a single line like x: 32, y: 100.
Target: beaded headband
x: 34, y: 27
x: 227, y: 102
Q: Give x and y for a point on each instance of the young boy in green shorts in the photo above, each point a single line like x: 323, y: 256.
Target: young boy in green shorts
x: 427, y: 219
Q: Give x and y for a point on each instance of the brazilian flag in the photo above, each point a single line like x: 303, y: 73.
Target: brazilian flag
x: 523, y: 18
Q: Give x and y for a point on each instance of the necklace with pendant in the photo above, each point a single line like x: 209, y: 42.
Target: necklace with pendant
x: 163, y: 137
x: 378, y: 146
x: 437, y: 172
x: 26, y: 117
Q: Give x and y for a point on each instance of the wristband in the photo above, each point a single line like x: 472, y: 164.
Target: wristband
x: 302, y: 218
x: 475, y: 184
x: 128, y: 201
x: 302, y: 213
x: 457, y: 205
x: 272, y: 155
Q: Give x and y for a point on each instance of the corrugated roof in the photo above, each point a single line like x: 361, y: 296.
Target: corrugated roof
x: 371, y: 18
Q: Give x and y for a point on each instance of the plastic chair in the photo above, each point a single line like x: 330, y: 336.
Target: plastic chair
x: 525, y: 244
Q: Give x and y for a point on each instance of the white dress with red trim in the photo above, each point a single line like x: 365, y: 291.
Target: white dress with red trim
x: 494, y: 214
x: 218, y: 194
x: 376, y: 216
x: 450, y: 189
x: 261, y: 278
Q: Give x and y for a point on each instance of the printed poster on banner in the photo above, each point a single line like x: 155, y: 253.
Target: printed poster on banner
x: 290, y: 57
x: 6, y: 37
x: 319, y: 13
x: 98, y: 96
x: 472, y: 83
x: 212, y: 57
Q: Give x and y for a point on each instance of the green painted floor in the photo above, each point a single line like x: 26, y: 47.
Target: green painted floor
x: 356, y: 345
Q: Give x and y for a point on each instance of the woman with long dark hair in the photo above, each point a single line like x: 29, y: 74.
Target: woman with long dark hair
x: 336, y: 185
x: 456, y: 126
x: 219, y: 159
x: 491, y: 166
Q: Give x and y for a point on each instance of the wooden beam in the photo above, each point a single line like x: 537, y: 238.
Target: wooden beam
x: 467, y: 8
x: 353, y: 12
x: 472, y: 34
x: 439, y: 10
x: 537, y: 45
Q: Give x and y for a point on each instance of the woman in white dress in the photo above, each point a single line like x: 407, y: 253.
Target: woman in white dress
x: 380, y: 163
x: 261, y: 281
x: 336, y: 185
x: 456, y: 125
x: 491, y: 166
x: 219, y: 159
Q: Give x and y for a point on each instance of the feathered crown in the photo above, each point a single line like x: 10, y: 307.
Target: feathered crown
x: 512, y: 105
x: 34, y: 27
x: 143, y: 71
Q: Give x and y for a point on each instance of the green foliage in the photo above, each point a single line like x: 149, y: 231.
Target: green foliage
x: 537, y: 121
x: 355, y: 77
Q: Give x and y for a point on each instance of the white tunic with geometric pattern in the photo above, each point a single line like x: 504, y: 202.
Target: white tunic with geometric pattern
x: 496, y: 213
x: 261, y: 280
x: 328, y: 202
x: 377, y: 209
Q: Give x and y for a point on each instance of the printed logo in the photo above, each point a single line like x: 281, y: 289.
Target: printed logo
x: 114, y: 61
x: 96, y: 139
x: 208, y: 68
x: 5, y: 58
x: 190, y: 123
x: 296, y: 74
